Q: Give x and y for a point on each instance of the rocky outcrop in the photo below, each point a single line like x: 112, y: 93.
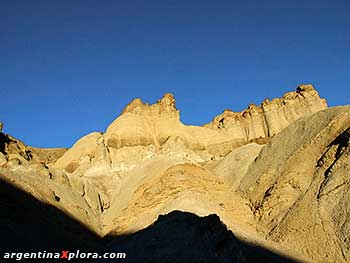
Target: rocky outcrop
x: 146, y: 140
x: 270, y: 117
x: 18, y: 153
x: 165, y: 106
x: 157, y: 130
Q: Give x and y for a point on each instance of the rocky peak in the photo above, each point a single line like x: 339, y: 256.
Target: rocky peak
x: 163, y: 106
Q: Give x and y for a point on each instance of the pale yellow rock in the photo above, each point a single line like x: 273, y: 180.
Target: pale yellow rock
x: 152, y: 126
x: 235, y: 165
x: 86, y: 146
x: 270, y: 117
x: 276, y: 174
x: 184, y: 187
x: 3, y: 159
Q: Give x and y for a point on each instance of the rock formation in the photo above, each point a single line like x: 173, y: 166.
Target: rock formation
x: 270, y: 117
x: 275, y: 174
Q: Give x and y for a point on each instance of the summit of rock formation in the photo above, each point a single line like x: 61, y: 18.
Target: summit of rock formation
x: 164, y: 106
x: 271, y: 180
x: 270, y: 117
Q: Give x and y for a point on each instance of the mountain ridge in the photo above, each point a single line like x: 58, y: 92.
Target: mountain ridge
x: 259, y: 170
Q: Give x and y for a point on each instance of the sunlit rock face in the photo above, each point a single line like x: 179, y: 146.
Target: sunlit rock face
x: 270, y: 117
x: 275, y: 174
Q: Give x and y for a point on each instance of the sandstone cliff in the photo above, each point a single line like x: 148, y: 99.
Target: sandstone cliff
x: 270, y: 117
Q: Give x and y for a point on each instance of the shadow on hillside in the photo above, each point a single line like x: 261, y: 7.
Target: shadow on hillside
x: 4, y: 139
x: 186, y: 237
x: 27, y: 224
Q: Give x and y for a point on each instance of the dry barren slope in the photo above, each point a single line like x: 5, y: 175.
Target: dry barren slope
x: 262, y: 171
x: 299, y: 186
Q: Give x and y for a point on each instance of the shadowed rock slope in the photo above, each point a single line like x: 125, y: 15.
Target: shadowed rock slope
x: 185, y: 237
x: 27, y: 224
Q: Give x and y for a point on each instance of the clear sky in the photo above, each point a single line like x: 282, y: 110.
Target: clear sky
x: 68, y: 68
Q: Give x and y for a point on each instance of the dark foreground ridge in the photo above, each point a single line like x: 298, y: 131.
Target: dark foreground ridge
x: 185, y: 237
x: 28, y: 225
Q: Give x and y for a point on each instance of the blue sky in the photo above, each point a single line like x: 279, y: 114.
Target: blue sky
x: 68, y: 68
